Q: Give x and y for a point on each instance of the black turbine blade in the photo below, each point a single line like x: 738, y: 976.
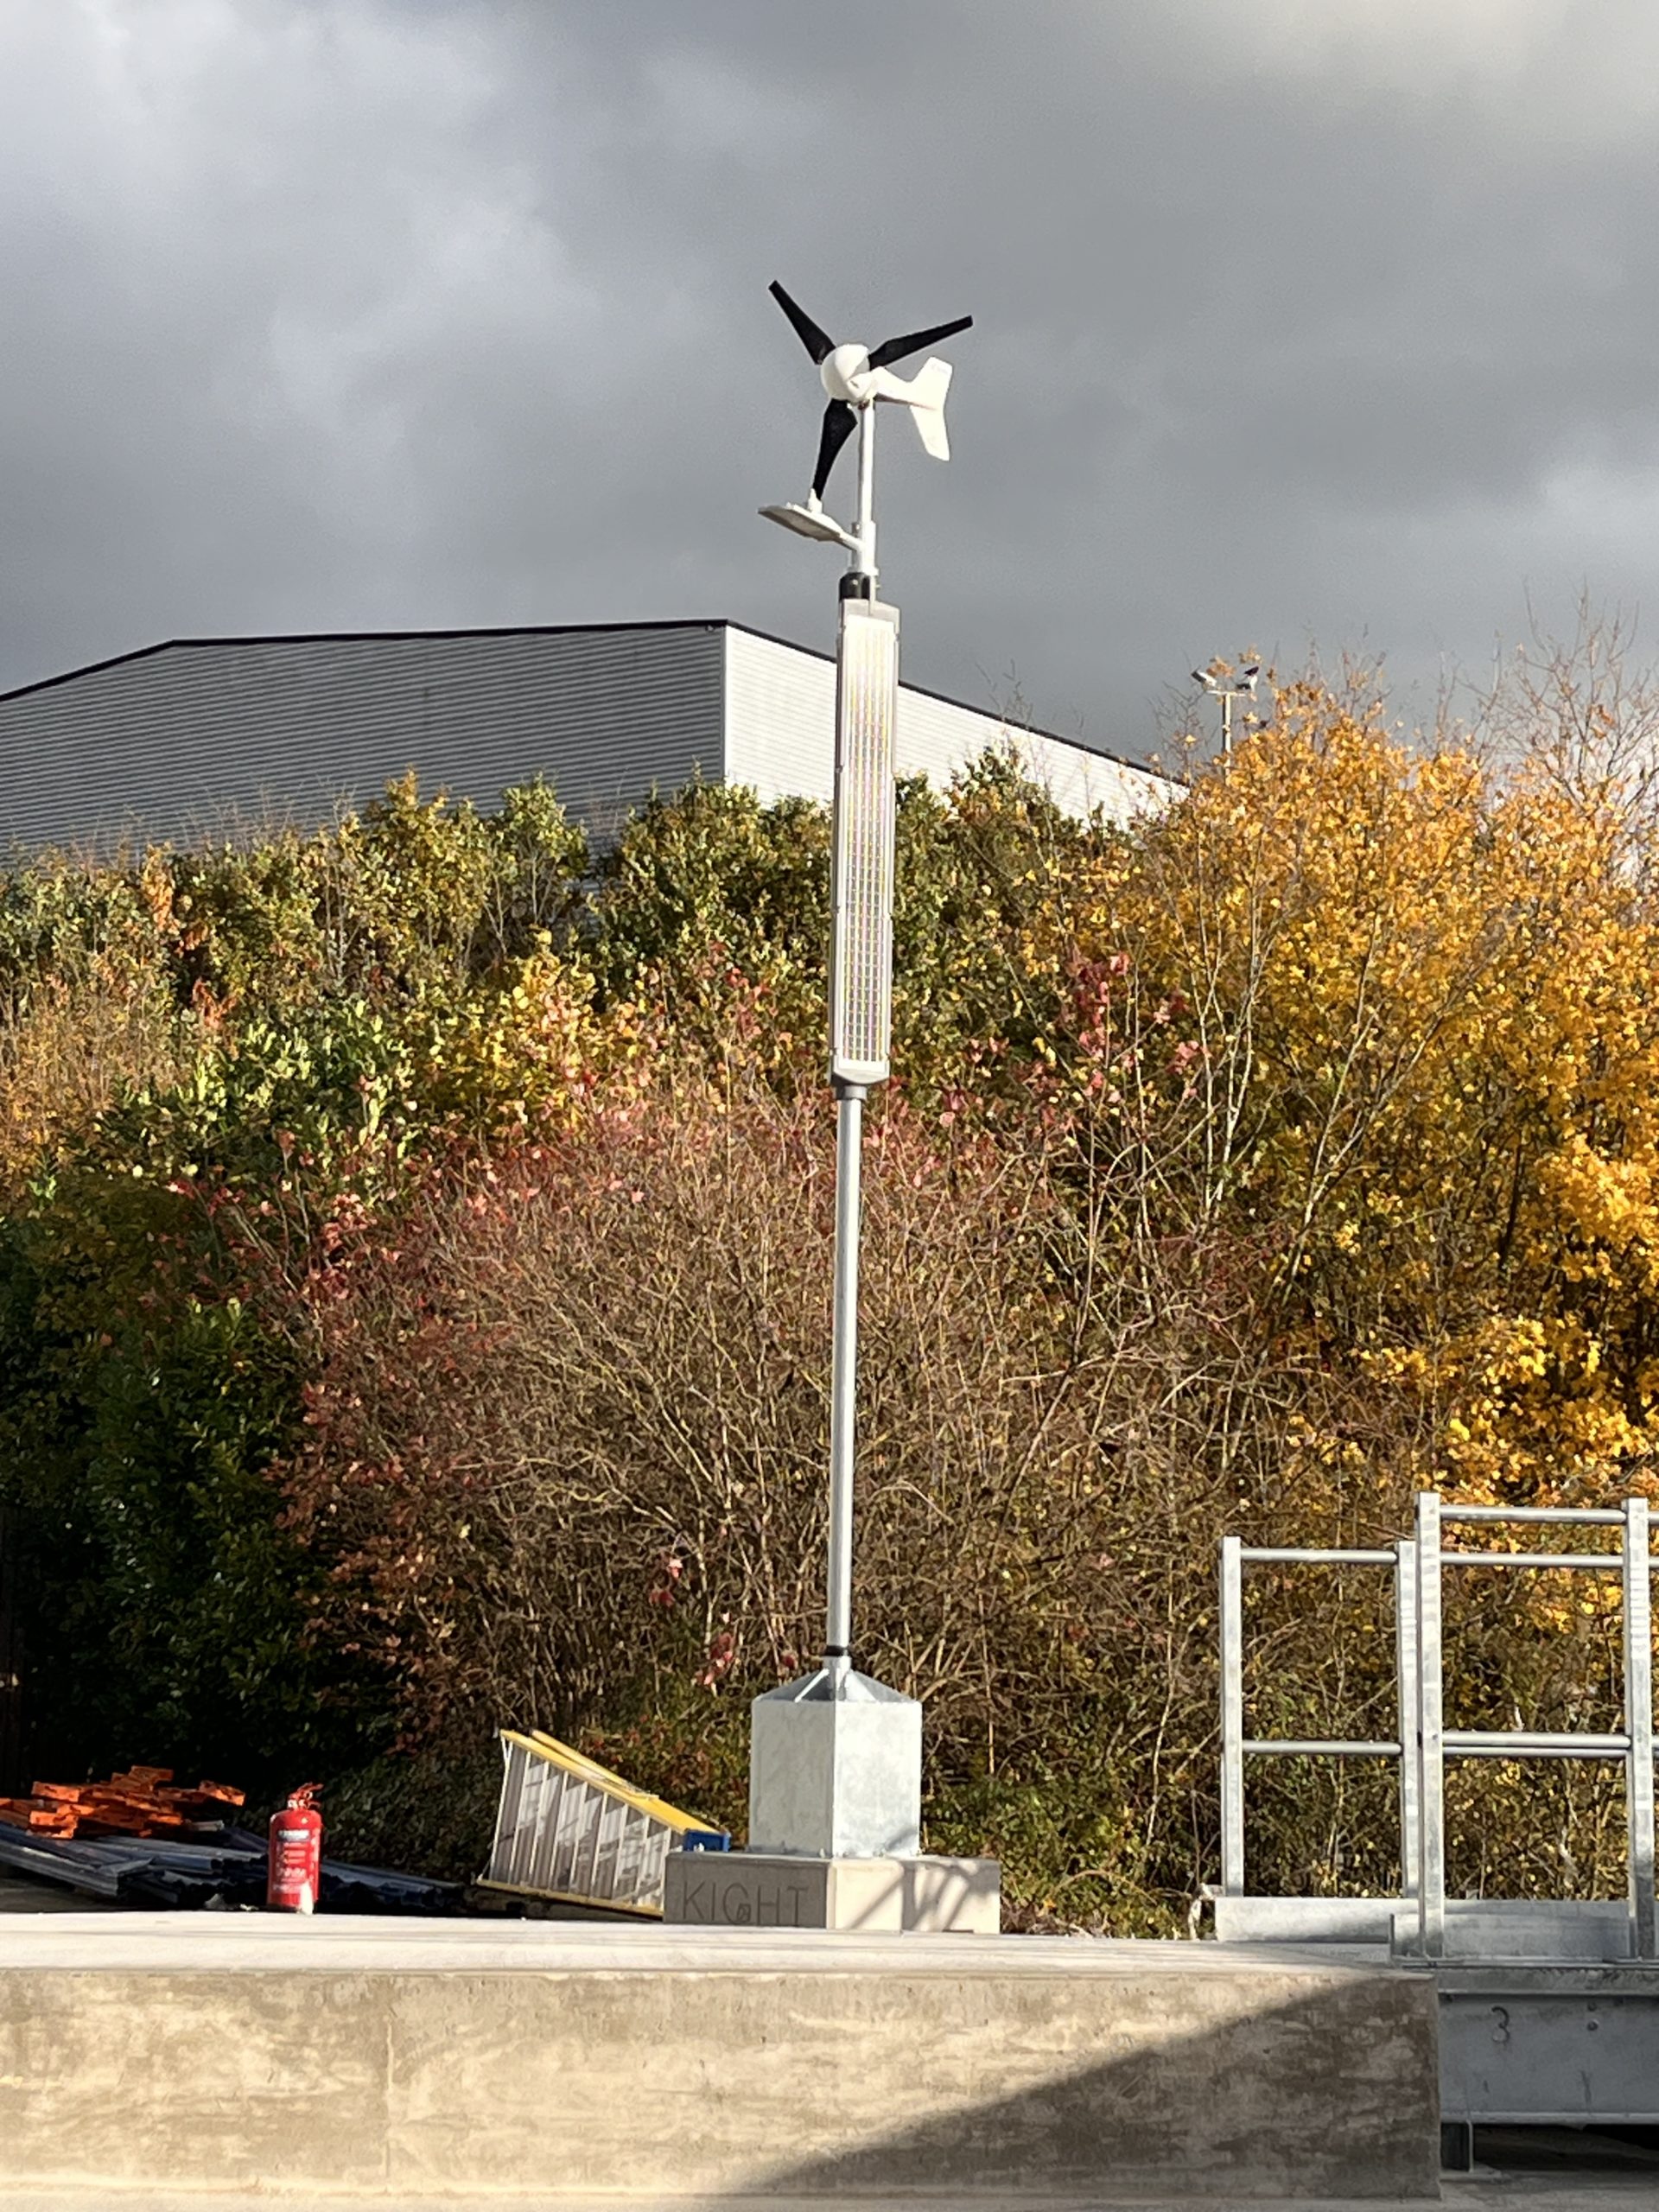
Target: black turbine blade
x: 838, y: 420
x: 900, y: 349
x: 805, y: 329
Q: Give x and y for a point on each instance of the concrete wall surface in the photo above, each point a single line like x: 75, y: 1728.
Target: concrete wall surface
x: 1500, y: 2192
x: 414, y: 2061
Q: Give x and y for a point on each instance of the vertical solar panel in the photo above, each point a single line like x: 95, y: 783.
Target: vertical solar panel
x: 860, y: 976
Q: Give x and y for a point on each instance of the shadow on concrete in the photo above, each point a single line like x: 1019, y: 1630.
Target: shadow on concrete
x: 1332, y: 2096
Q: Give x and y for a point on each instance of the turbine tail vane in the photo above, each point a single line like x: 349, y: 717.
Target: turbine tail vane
x: 924, y: 394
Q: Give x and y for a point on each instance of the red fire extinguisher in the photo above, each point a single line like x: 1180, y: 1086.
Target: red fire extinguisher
x: 296, y: 1870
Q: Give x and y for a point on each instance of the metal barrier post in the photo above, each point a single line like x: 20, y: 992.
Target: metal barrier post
x: 1638, y: 1722
x: 1232, y: 1718
x: 1431, y: 1722
x: 1405, y: 1639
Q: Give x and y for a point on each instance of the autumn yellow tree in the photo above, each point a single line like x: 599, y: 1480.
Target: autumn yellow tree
x: 1414, y: 1029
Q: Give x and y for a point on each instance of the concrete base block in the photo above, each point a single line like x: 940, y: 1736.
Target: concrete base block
x: 753, y: 1889
x: 836, y: 1769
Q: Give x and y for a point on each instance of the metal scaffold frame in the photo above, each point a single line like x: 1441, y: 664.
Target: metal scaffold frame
x: 1237, y: 1747
x: 1423, y: 1742
x: 1548, y: 2008
x: 1632, y: 1562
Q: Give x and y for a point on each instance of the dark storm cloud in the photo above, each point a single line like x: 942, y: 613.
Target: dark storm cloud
x: 1328, y: 319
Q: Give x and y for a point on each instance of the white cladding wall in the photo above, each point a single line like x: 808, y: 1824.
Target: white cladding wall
x: 780, y: 712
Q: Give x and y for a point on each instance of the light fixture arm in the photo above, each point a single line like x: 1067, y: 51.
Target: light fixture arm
x: 1240, y: 684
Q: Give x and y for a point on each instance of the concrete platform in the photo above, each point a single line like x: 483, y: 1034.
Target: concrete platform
x: 1497, y: 2193
x: 409, y: 2061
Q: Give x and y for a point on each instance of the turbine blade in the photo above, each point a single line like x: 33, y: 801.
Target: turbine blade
x: 838, y: 420
x: 806, y: 330
x: 900, y: 349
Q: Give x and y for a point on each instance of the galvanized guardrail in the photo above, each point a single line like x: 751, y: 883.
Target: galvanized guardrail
x: 1235, y: 1746
x: 1423, y: 1742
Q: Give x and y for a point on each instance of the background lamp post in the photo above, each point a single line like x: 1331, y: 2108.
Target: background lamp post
x: 836, y: 1759
x: 1238, y: 684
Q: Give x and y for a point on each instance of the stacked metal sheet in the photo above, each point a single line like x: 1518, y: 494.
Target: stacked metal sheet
x: 229, y: 1872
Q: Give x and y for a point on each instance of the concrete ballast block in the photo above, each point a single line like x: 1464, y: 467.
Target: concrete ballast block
x: 403, y: 2062
x: 836, y: 1769
x: 749, y: 1889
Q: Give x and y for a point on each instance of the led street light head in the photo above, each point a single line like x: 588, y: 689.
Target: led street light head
x: 810, y: 521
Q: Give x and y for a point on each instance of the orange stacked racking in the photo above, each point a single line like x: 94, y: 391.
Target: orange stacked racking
x: 140, y: 1800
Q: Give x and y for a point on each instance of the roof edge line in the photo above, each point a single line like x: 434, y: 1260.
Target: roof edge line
x: 1141, y: 767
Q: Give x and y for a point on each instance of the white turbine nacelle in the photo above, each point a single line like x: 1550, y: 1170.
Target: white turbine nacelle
x: 846, y: 375
x: 838, y: 371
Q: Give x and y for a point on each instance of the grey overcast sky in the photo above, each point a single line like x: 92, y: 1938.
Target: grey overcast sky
x: 1328, y: 322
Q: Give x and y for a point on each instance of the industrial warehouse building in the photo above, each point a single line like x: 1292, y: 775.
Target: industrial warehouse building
x: 200, y: 736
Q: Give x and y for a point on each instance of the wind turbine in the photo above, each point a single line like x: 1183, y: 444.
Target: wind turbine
x: 855, y: 376
x: 836, y: 1758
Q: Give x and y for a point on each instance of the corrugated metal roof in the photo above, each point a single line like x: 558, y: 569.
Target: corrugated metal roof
x: 358, y: 638
x: 184, y: 738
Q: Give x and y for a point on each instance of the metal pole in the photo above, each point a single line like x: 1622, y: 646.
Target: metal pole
x: 1405, y: 1624
x: 863, y: 562
x: 1431, y: 1747
x: 1232, y: 1718
x: 1226, y: 723
x: 858, y: 583
x: 1638, y: 1723
x: 849, y: 1134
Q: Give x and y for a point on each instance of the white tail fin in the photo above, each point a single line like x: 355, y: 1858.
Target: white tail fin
x: 924, y: 394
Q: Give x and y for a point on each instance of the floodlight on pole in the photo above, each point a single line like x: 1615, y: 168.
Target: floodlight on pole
x: 1240, y: 684
x: 803, y: 1795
